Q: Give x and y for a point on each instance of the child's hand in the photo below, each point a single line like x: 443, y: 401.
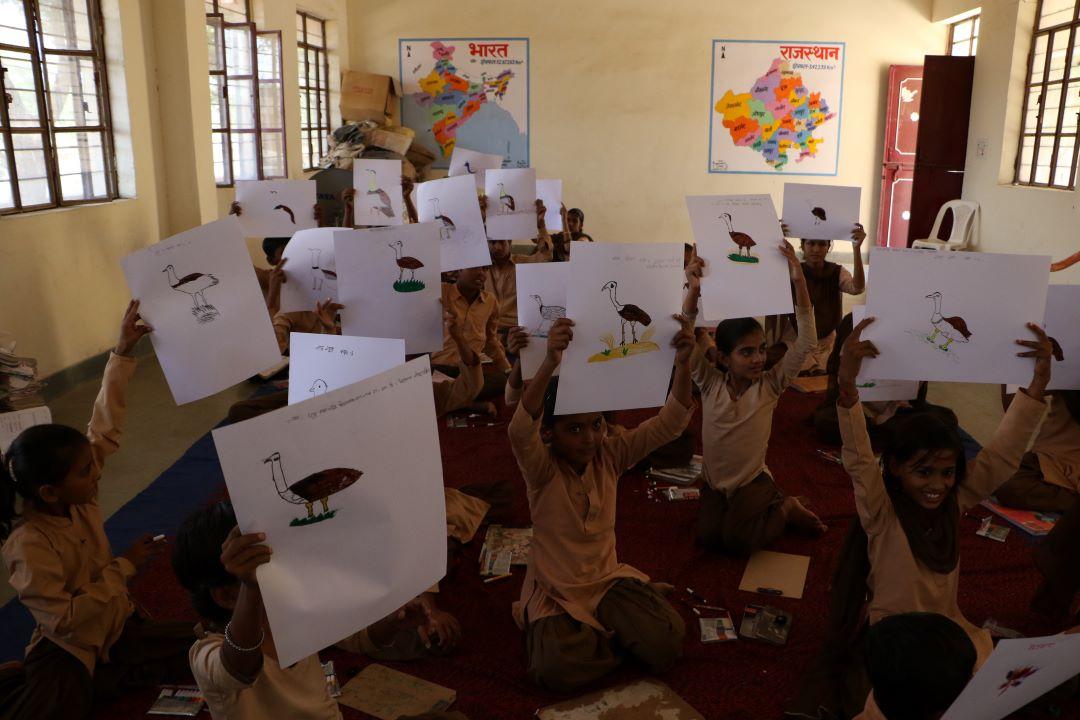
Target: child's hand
x: 406, y: 185
x: 517, y: 340
x: 316, y: 212
x: 450, y: 323
x: 858, y: 234
x: 851, y: 357
x: 559, y: 338
x: 241, y: 554
x: 143, y: 549
x: 794, y: 266
x: 541, y: 211
x: 694, y: 271
x: 483, y: 206
x: 784, y: 228
x: 684, y: 340
x: 234, y: 209
x: 1042, y: 350
x: 327, y: 311
x: 130, y: 330
x: 437, y: 624
x: 348, y: 196
x: 277, y: 275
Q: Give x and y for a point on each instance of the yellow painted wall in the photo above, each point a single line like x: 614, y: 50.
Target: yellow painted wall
x: 620, y: 90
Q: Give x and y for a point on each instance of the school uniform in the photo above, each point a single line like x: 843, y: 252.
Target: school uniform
x: 301, y: 321
x: 1048, y: 479
x: 501, y: 281
x: 898, y: 581
x: 582, y: 610
x: 826, y: 288
x: 740, y: 506
x: 64, y: 572
x: 479, y: 322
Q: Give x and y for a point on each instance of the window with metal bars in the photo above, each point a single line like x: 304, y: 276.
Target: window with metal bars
x: 964, y: 36
x: 1047, y: 152
x: 56, y: 145
x: 247, y: 96
x: 314, y: 74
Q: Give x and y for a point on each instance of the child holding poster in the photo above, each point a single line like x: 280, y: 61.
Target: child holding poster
x: 582, y: 610
x: 741, y: 508
x: 90, y: 641
x: 501, y: 280
x: 827, y: 282
x: 904, y: 553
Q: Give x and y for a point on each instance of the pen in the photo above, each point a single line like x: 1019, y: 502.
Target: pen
x: 769, y: 591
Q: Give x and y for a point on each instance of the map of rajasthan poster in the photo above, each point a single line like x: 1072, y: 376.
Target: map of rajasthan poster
x: 468, y: 91
x: 775, y: 107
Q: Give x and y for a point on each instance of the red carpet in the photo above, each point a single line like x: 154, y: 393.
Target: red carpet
x: 739, y: 680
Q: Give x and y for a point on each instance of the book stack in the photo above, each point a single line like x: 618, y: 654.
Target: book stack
x: 19, y: 385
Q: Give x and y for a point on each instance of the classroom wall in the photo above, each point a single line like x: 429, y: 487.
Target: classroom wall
x: 1014, y: 219
x: 620, y: 90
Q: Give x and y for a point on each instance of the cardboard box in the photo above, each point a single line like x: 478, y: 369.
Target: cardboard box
x: 394, y: 139
x: 367, y: 96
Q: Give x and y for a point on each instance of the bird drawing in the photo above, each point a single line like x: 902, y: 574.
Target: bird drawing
x: 436, y: 210
x: 319, y: 387
x: 744, y: 241
x: 316, y: 487
x: 468, y: 168
x: 404, y: 262
x: 1055, y: 349
x: 506, y: 201
x: 194, y: 285
x: 819, y: 213
x: 288, y: 211
x: 628, y: 314
x: 953, y: 329
x: 1016, y: 678
x: 317, y: 276
x: 548, y: 314
x: 384, y: 206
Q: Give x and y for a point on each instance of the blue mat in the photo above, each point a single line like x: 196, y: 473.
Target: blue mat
x: 160, y: 508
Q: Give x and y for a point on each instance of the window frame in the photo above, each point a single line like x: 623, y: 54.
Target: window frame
x: 973, y: 38
x: 321, y: 92
x: 47, y: 129
x: 1066, y: 80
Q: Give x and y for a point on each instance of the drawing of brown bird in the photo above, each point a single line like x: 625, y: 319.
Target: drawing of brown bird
x: 631, y: 314
x: 1058, y: 353
x: 819, y: 213
x: 447, y: 222
x: 288, y: 211
x: 194, y: 285
x: 316, y: 487
x: 744, y: 241
x: 405, y: 262
x: 506, y: 201
x: 386, y: 208
x: 953, y: 329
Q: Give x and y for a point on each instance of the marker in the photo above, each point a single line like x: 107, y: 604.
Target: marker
x: 498, y: 577
x: 157, y: 538
x: 708, y: 607
x: 696, y: 596
x: 770, y: 591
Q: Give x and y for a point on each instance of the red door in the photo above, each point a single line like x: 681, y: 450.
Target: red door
x: 898, y: 159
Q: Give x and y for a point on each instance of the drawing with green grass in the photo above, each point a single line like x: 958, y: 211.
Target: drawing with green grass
x: 406, y: 262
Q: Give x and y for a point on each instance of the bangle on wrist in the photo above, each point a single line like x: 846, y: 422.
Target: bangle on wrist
x: 237, y: 648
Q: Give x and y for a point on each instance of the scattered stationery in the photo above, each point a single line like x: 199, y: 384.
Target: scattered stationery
x: 503, y: 548
x: 1033, y: 523
x: 988, y: 529
x: 680, y: 475
x: 640, y: 700
x: 773, y: 573
x: 717, y: 629
x: 179, y: 701
x: 765, y: 623
x: 388, y: 694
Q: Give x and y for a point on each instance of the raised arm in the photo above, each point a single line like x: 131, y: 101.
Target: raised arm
x: 493, y: 346
x: 241, y: 555
x: 786, y: 371
x: 463, y: 389
x: 858, y: 283
x: 516, y: 340
x: 110, y: 407
x: 703, y: 373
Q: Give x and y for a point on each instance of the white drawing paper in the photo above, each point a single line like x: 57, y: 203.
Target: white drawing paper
x: 379, y: 200
x: 745, y: 274
x: 1017, y: 672
x: 541, y: 300
x: 321, y: 363
x: 874, y: 390
x: 452, y: 203
x: 469, y: 162
x: 390, y: 284
x: 1062, y: 324
x: 954, y: 316
x: 348, y: 489
x: 199, y: 292
x: 821, y: 212
x: 275, y: 208
x: 550, y: 192
x: 511, y: 204
x: 310, y: 270
x: 621, y: 297
x: 13, y: 423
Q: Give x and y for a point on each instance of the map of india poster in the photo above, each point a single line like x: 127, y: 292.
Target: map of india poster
x: 775, y: 107
x: 472, y: 92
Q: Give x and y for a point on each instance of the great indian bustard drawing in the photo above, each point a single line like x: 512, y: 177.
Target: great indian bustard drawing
x: 320, y: 274
x: 744, y: 241
x: 288, y: 211
x: 195, y: 285
x: 406, y: 262
x: 953, y: 328
x: 316, y: 487
x: 506, y: 201
x: 630, y: 315
x: 384, y: 205
x: 548, y: 314
x: 819, y: 214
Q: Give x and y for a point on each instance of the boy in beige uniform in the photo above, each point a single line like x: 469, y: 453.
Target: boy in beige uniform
x: 582, y: 610
x: 501, y: 278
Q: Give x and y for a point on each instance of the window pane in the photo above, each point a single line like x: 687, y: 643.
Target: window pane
x: 65, y: 24
x: 1055, y: 12
x: 233, y: 10
x: 270, y: 110
x: 7, y: 196
x: 241, y: 104
x: 23, y: 109
x: 961, y: 31
x: 1072, y: 108
x: 961, y: 49
x: 215, y: 43
x: 273, y: 154
x: 238, y: 51
x: 221, y: 159
x: 299, y: 27
x: 218, y: 110
x: 30, y: 167
x: 1063, y: 166
x: 1051, y: 104
x: 1059, y: 48
x: 1027, y: 149
x: 1042, y: 165
x: 244, y: 162
x: 73, y: 94
x: 315, y: 32
x: 1032, y: 109
x: 13, y: 23
x: 977, y: 19
x: 80, y: 161
x: 975, y: 46
x: 1038, y: 60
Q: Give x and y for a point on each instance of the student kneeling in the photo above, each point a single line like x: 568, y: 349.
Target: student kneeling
x: 584, y: 612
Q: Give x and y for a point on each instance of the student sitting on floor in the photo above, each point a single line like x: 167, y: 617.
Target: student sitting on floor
x: 234, y: 659
x: 90, y: 643
x: 741, y: 509
x: 583, y: 612
x: 477, y: 314
x: 827, y: 282
x: 904, y: 552
x: 501, y: 280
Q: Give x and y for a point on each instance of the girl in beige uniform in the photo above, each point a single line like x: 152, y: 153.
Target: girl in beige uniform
x: 582, y: 610
x: 89, y: 641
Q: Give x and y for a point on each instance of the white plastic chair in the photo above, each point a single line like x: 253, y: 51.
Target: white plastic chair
x: 965, y: 228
